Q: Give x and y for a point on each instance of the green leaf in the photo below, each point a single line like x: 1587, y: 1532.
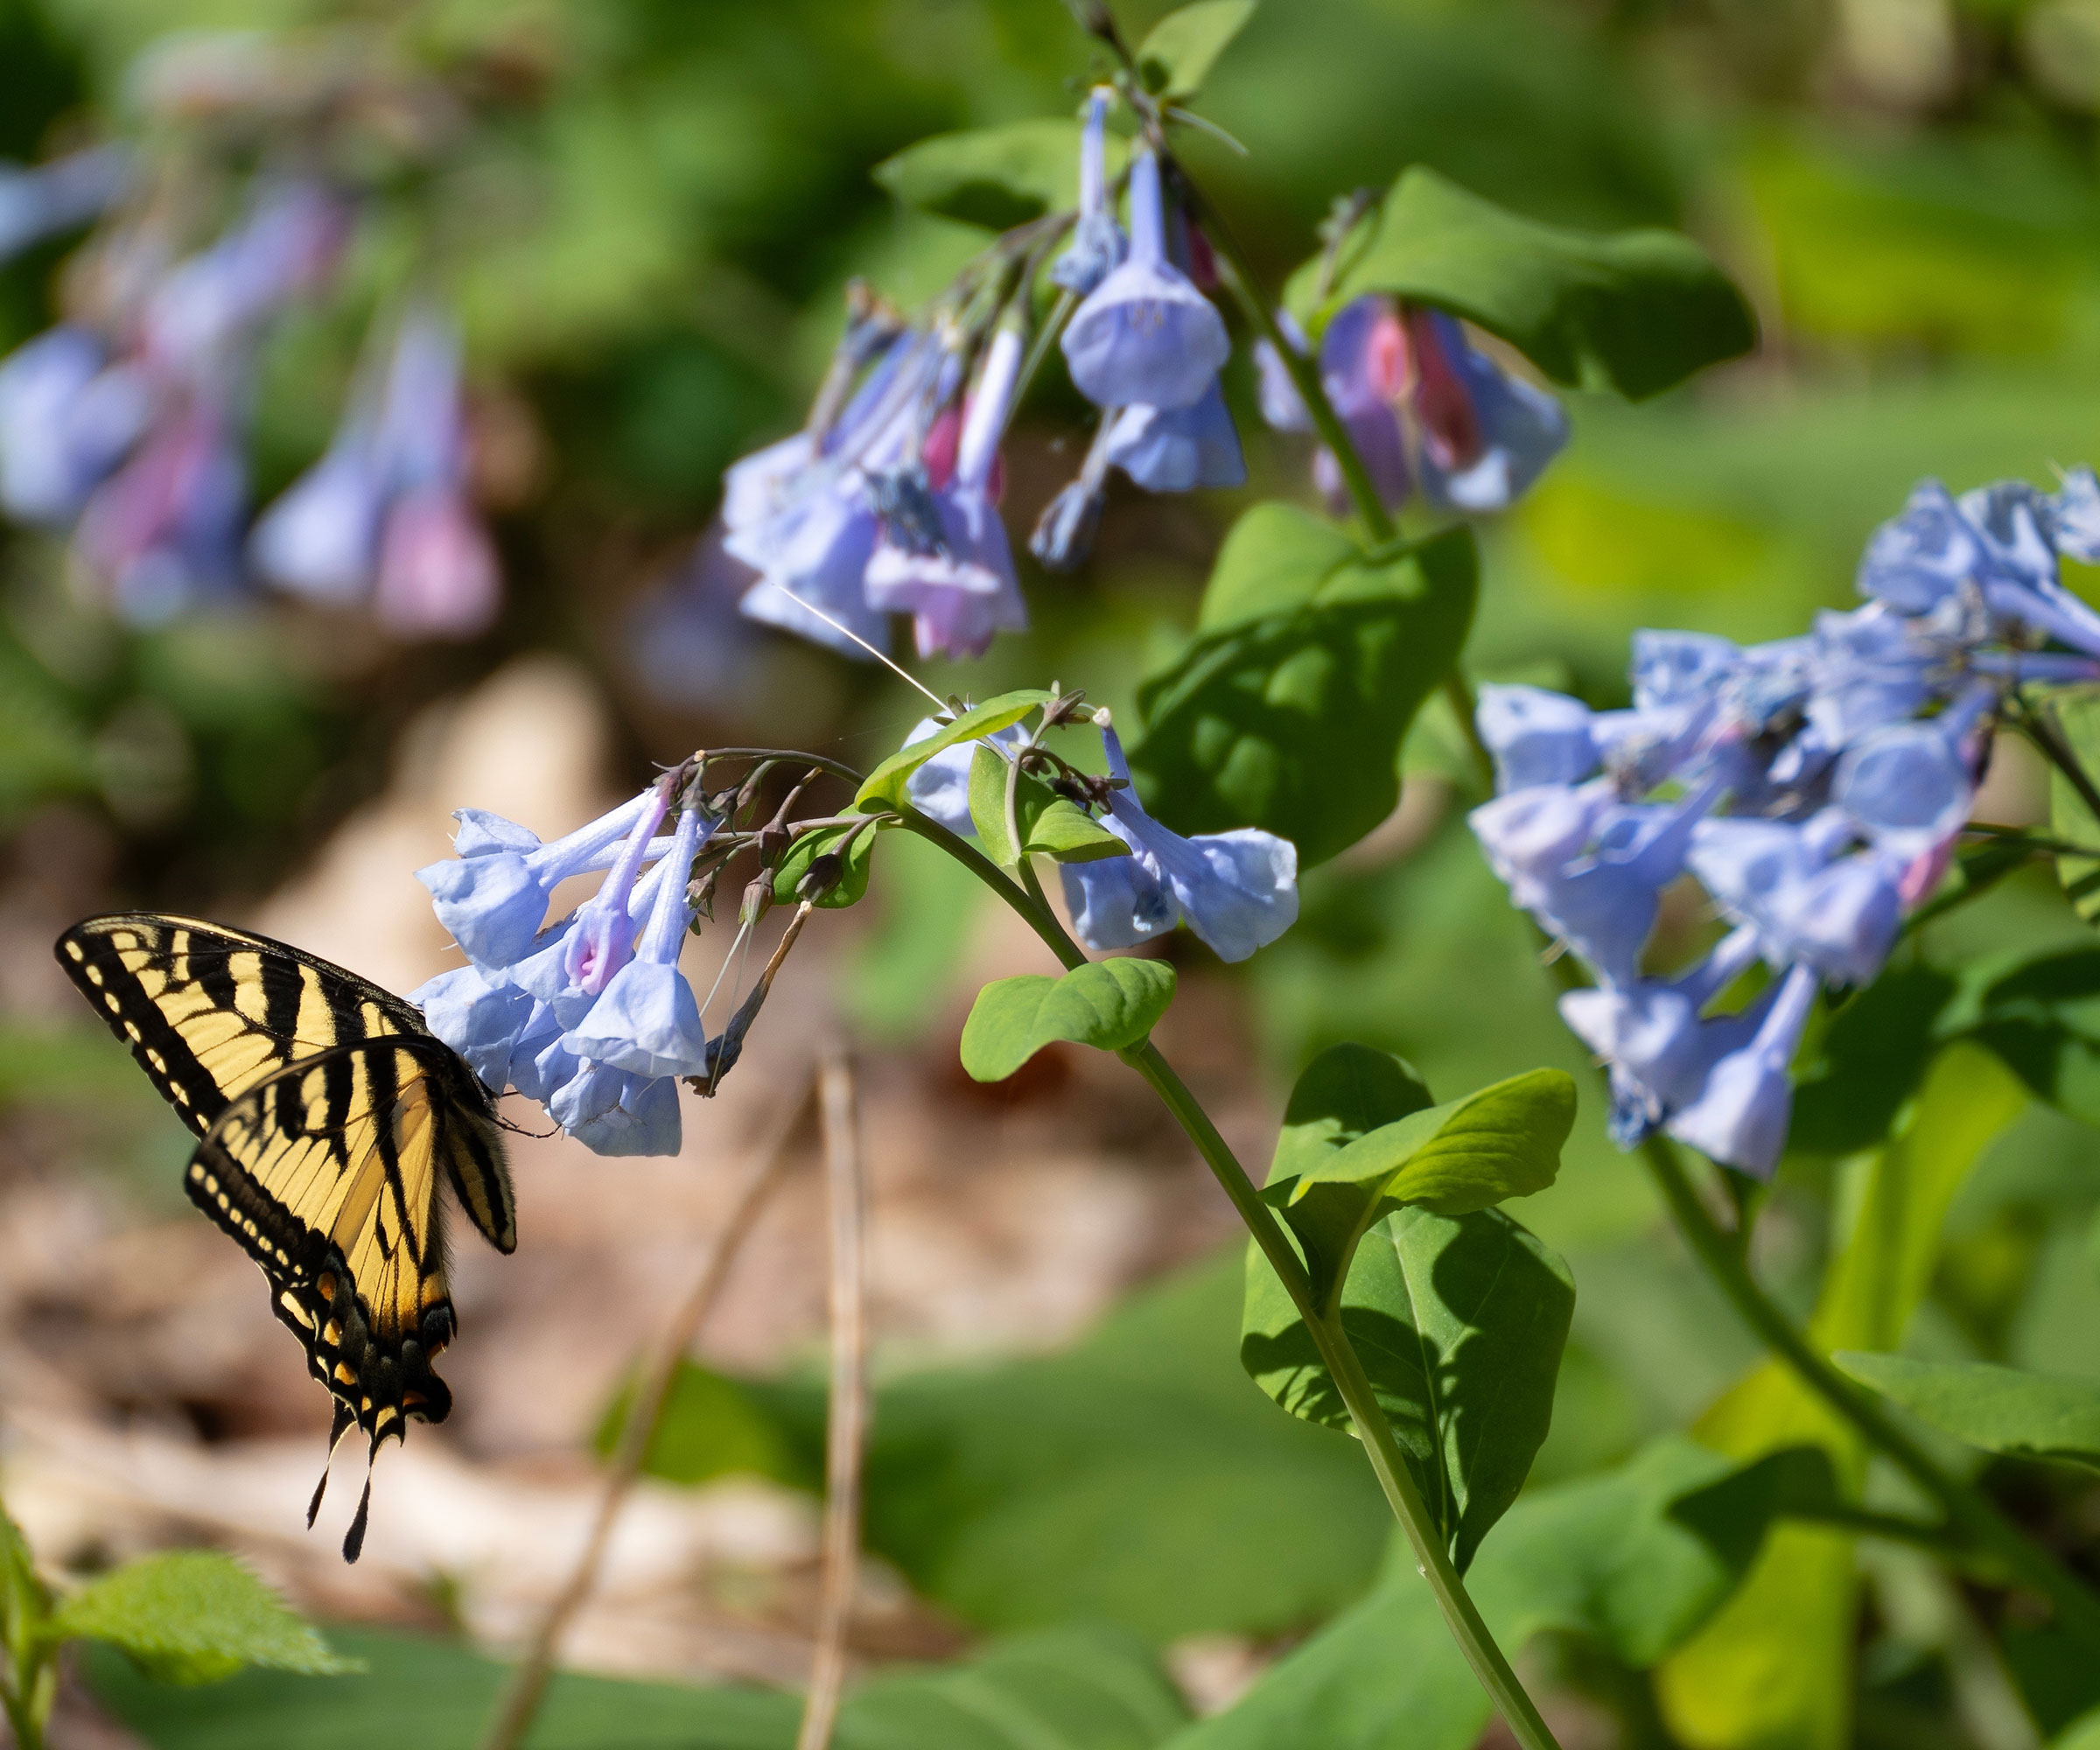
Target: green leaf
x: 1179, y: 52
x: 1287, y: 709
x: 193, y: 1616
x: 1108, y: 1003
x: 1345, y: 1093
x: 2077, y: 714
x: 1605, y: 1558
x: 1051, y: 826
x: 853, y: 884
x: 1065, y: 1689
x: 1634, y: 310
x: 1998, y: 1408
x: 1870, y: 1060
x: 2042, y: 1020
x: 884, y: 788
x: 996, y: 177
x: 1459, y: 1323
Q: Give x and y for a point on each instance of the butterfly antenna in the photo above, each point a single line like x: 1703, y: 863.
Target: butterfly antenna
x: 340, y: 1426
x: 353, y: 1540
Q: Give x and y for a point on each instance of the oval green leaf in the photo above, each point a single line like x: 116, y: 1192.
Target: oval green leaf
x: 853, y: 884
x: 1111, y: 1005
x: 1635, y: 311
x: 1288, y: 709
x: 1179, y: 51
x: 1997, y: 1408
x: 884, y: 788
x: 996, y: 177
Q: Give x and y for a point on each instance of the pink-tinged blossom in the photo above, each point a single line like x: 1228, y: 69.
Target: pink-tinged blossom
x: 960, y: 587
x: 163, y: 534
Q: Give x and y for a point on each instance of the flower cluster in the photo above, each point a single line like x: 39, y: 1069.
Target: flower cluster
x: 589, y: 1015
x: 1237, y: 891
x: 1815, y: 787
x: 124, y: 424
x: 1418, y: 401
x: 886, y: 501
x: 384, y: 515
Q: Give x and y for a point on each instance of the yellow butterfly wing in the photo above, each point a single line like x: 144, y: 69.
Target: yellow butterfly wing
x: 327, y: 1113
x: 326, y: 1174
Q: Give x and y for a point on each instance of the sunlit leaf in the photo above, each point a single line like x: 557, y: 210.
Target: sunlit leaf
x: 1999, y: 1408
x: 884, y: 786
x: 1288, y: 709
x: 1178, y: 53
x: 1633, y: 311
x: 1109, y: 1004
x: 996, y: 177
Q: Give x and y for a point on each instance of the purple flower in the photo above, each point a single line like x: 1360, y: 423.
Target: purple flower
x: 1537, y: 737
x: 318, y: 540
x: 959, y: 586
x: 1809, y: 905
x: 438, y: 571
x: 1175, y: 451
x: 492, y: 899
x: 646, y: 1020
x: 1486, y: 435
x: 1145, y: 334
x: 1097, y: 247
x: 1363, y: 367
x: 815, y: 555
x: 1741, y: 1114
x: 1911, y: 786
x: 1651, y: 1034
x: 616, y: 1113
x: 482, y: 1021
x: 165, y: 531
x: 1237, y: 891
x: 66, y: 419
x: 36, y: 204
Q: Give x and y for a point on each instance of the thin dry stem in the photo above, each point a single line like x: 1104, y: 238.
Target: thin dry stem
x: 846, y: 1184
x: 527, y: 1686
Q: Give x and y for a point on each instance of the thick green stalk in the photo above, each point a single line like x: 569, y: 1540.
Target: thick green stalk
x: 1967, y: 1508
x: 1459, y: 1613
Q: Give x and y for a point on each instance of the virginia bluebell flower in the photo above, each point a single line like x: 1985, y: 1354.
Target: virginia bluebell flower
x: 1480, y: 436
x: 493, y: 896
x: 1097, y: 247
x: 1815, y: 787
x: 1485, y: 434
x: 67, y: 418
x: 1145, y: 334
x: 1180, y: 450
x: 646, y: 1020
x: 164, y: 532
x: 38, y: 202
x: 1237, y: 891
x: 956, y: 580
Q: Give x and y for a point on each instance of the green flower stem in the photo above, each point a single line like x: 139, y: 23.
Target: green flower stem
x: 1460, y: 1614
x: 1968, y: 1510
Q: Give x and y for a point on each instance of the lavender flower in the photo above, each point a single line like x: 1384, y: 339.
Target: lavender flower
x: 1816, y: 788
x: 1486, y: 435
x: 1178, y: 450
x: 1097, y: 247
x: 67, y: 418
x: 38, y: 203
x: 1237, y: 891
x: 1145, y: 334
x: 956, y: 580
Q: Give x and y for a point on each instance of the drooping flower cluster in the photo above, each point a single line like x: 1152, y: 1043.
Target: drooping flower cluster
x: 1236, y: 891
x: 1420, y: 402
x: 384, y: 515
x: 589, y: 1015
x: 1815, y: 787
x: 124, y: 424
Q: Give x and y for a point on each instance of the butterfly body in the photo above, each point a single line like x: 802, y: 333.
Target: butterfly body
x: 327, y: 1115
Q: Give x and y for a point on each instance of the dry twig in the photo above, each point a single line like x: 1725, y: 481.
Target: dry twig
x: 527, y: 1685
x: 846, y: 1186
